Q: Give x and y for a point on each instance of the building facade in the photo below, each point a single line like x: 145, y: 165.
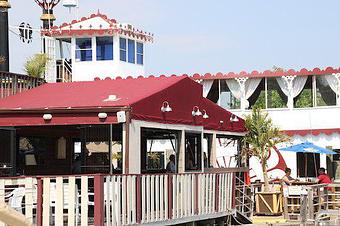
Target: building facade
x: 305, y: 104
x: 94, y: 46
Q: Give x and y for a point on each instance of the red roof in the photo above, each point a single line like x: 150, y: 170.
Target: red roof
x: 80, y: 102
x: 76, y: 27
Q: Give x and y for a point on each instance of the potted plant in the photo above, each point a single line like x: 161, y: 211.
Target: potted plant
x: 36, y: 65
x: 262, y: 136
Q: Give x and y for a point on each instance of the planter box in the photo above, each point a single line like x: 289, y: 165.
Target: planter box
x: 269, y: 203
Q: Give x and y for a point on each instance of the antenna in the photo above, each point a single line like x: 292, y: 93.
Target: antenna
x: 72, y: 4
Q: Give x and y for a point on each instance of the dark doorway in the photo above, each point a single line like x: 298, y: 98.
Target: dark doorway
x: 308, y: 164
x: 7, y: 152
x: 193, y: 151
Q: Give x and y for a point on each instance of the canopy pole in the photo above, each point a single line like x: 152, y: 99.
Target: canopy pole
x: 110, y: 148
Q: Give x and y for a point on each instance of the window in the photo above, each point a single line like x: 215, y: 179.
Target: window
x: 258, y: 98
x: 193, y: 155
x: 104, y: 48
x: 122, y: 47
x: 307, y: 164
x: 131, y: 51
x: 325, y: 96
x: 305, y: 98
x: 83, y: 49
x: 140, y: 53
x: 157, y: 146
x: 227, y: 100
x: 275, y: 97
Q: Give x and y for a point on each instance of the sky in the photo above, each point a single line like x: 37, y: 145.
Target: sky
x: 200, y: 36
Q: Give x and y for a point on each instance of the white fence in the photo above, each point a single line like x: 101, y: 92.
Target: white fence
x: 119, y: 199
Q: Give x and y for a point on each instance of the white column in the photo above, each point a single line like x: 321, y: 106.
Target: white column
x: 94, y: 49
x: 181, y: 156
x: 134, y: 147
x: 213, y: 160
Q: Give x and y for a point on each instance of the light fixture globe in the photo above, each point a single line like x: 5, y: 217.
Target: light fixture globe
x: 196, y: 111
x: 47, y: 117
x: 102, y: 115
x: 233, y: 118
x: 166, y: 107
x: 205, y: 115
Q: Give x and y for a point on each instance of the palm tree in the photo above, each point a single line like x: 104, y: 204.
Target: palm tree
x: 36, y: 65
x: 262, y: 136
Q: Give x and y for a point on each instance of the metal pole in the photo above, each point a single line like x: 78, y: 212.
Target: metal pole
x: 110, y: 148
x: 4, y: 43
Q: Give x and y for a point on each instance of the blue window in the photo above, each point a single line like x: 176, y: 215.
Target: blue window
x: 104, y: 48
x: 140, y: 53
x: 122, y: 47
x: 83, y: 49
x: 131, y: 51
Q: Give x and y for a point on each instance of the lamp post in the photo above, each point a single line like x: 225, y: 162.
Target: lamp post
x: 4, y: 43
x: 47, y: 16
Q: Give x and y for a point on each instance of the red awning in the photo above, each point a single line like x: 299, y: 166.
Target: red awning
x: 142, y: 97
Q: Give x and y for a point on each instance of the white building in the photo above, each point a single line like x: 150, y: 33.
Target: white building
x: 94, y: 46
x: 305, y: 104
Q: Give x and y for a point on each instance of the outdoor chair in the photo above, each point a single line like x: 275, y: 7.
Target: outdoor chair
x: 66, y: 198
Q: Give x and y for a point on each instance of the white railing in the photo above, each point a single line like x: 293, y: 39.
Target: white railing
x: 144, y: 199
x: 120, y: 199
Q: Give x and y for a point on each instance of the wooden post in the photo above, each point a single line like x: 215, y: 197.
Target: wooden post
x: 170, y: 197
x: 196, y: 193
x: 99, y: 200
x: 217, y: 188
x: 310, y: 205
x: 139, y: 199
x: 39, y: 201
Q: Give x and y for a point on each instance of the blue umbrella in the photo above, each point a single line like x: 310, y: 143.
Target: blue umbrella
x: 308, y: 147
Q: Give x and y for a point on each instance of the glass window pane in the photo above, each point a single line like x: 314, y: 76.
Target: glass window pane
x: 83, y: 49
x: 104, y: 48
x: 122, y: 43
x: 83, y: 55
x: 275, y: 97
x: 324, y: 94
x: 131, y: 51
x: 83, y: 43
x: 258, y: 98
x: 122, y: 46
x: 140, y: 59
x: 139, y: 48
x: 305, y: 98
x: 227, y: 99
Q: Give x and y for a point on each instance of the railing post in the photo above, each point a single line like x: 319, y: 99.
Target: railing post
x: 310, y: 207
x: 196, y: 194
x: 234, y: 190
x: 139, y: 199
x: 217, y: 189
x: 170, y: 197
x: 99, y: 200
x: 39, y: 201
